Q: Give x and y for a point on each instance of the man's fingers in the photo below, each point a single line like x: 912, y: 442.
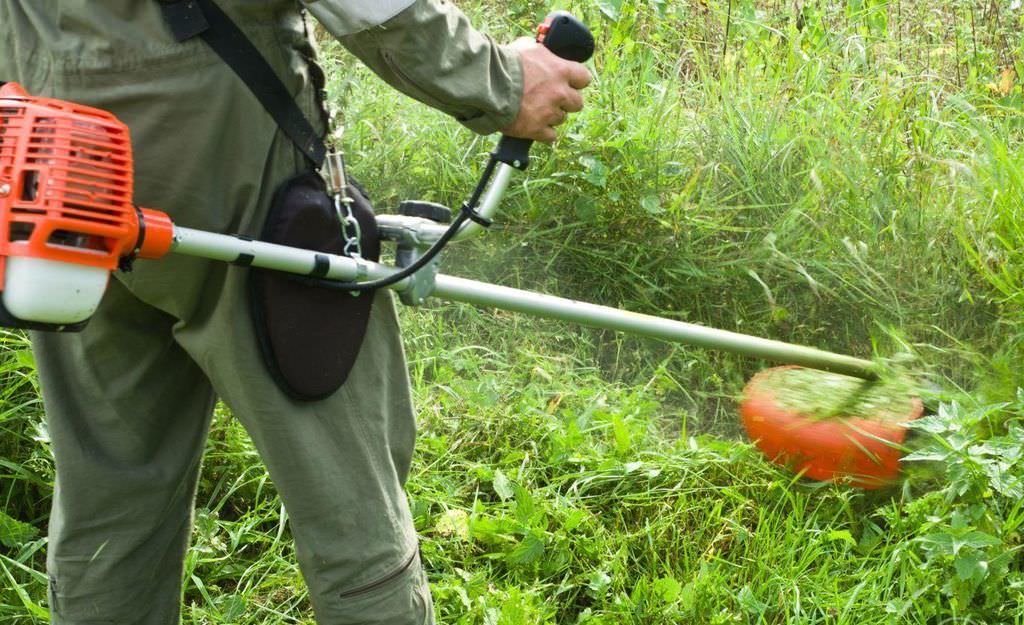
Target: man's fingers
x: 572, y: 101
x: 548, y: 135
x: 578, y: 75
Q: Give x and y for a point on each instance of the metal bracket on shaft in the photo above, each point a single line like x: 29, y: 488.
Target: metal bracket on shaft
x: 422, y: 283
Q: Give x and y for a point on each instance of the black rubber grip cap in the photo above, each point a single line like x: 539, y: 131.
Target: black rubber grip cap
x: 426, y: 210
x: 568, y: 37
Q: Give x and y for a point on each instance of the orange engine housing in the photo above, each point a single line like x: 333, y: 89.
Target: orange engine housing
x: 66, y: 185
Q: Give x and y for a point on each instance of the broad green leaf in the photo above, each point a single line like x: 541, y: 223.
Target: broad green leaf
x: 937, y: 543
x: 14, y: 533
x: 1004, y: 479
x: 530, y: 549
x: 586, y: 208
x: 574, y: 518
x: 749, y: 602
x: 25, y: 359
x: 596, y: 173
x: 492, y: 616
x: 232, y: 607
x: 525, y: 506
x: 842, y: 535
x: 652, y: 204
x: 688, y: 596
x: 612, y: 9
x: 926, y: 455
x: 935, y: 424
x: 623, y: 440
x: 597, y: 583
x: 668, y: 588
x: 976, y: 539
x: 486, y: 530
x: 502, y: 485
x: 998, y: 448
x: 971, y: 566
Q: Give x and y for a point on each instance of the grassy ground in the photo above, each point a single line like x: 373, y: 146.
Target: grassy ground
x: 840, y: 174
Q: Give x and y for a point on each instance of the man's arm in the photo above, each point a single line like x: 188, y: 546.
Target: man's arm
x: 430, y: 51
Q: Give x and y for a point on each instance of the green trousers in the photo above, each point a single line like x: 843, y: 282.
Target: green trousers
x: 129, y: 399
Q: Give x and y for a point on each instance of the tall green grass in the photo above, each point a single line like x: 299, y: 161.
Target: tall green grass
x: 804, y: 177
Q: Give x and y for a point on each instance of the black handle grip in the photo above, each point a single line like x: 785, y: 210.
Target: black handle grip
x: 566, y: 37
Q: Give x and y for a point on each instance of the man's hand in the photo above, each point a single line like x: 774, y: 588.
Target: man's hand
x: 550, y: 92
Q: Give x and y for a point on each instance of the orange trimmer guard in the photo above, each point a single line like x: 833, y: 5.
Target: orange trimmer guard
x: 860, y: 452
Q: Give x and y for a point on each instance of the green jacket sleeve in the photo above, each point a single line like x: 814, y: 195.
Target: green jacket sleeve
x: 429, y: 50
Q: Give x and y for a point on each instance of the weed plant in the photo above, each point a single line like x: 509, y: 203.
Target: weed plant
x: 843, y: 174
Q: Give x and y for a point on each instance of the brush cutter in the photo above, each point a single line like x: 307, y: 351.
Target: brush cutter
x: 67, y: 220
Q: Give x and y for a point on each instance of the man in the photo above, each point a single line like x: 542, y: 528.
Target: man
x: 129, y: 399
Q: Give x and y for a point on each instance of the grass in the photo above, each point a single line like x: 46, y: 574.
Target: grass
x: 819, y: 395
x: 848, y: 176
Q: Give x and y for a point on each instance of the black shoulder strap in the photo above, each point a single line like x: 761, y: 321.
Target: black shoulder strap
x: 203, y: 18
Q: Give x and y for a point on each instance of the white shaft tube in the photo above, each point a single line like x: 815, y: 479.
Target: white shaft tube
x: 550, y: 307
x: 250, y: 253
x: 309, y: 263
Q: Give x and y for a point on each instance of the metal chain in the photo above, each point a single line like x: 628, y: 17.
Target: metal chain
x: 338, y: 186
x: 350, y: 225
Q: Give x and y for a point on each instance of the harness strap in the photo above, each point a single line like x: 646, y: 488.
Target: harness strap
x: 203, y: 18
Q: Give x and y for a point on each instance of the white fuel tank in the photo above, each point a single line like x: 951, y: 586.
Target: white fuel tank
x: 48, y: 291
